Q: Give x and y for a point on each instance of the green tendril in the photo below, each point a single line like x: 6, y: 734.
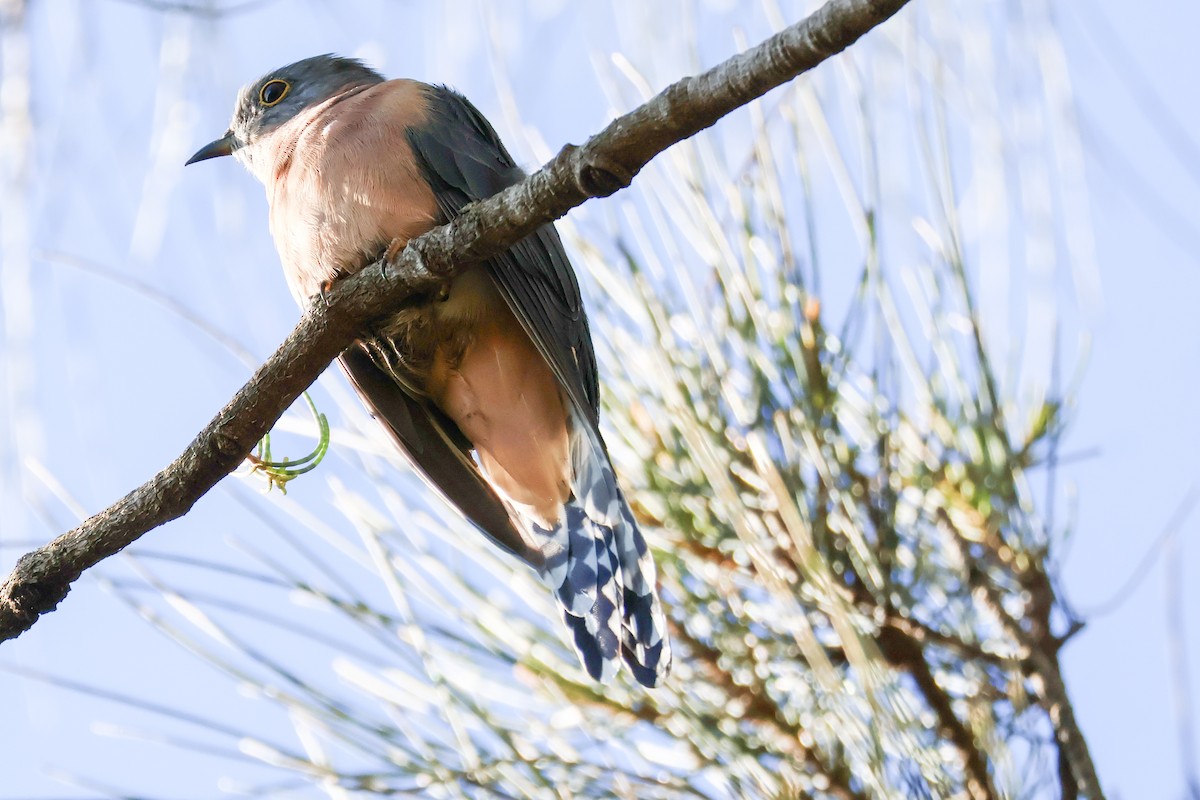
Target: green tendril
x: 278, y: 473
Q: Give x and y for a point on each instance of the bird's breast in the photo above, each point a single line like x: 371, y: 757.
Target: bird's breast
x: 343, y: 183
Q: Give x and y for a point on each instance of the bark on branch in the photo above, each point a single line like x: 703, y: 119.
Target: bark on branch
x: 605, y: 164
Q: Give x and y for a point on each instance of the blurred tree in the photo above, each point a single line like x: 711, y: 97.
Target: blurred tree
x: 836, y: 476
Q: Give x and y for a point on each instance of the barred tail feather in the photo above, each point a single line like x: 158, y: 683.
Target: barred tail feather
x: 644, y: 643
x: 601, y: 571
x: 581, y: 569
x: 596, y: 632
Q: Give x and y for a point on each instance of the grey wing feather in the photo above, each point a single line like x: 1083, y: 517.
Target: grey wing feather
x: 463, y: 160
x: 427, y: 439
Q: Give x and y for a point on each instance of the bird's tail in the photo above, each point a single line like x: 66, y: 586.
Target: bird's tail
x: 602, y: 573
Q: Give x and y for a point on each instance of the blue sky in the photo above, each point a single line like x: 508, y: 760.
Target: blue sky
x: 1135, y: 426
x: 106, y: 386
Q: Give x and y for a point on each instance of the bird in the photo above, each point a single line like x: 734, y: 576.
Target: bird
x: 488, y: 384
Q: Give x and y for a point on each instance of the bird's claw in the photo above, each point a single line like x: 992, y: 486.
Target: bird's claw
x: 322, y: 295
x: 392, y: 252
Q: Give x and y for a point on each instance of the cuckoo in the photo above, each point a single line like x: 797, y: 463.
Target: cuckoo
x: 488, y: 385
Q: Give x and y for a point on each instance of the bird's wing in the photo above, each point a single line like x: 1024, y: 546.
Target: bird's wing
x: 463, y: 159
x: 432, y: 443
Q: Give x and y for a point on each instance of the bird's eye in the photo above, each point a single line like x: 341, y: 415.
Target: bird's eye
x: 273, y: 91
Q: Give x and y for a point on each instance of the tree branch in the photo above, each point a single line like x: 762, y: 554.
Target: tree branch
x: 605, y: 164
x: 1040, y: 663
x: 905, y: 652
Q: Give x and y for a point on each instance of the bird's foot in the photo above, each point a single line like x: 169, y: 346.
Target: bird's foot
x: 321, y: 298
x: 392, y: 253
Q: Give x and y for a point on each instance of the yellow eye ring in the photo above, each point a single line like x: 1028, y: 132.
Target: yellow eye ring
x: 273, y: 91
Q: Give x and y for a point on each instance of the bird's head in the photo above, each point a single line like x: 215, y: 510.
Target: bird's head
x: 277, y: 97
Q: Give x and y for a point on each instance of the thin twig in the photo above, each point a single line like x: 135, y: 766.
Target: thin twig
x: 1180, y: 671
x: 1169, y: 531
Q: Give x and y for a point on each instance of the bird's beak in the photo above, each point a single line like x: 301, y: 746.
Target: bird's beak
x: 221, y: 147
